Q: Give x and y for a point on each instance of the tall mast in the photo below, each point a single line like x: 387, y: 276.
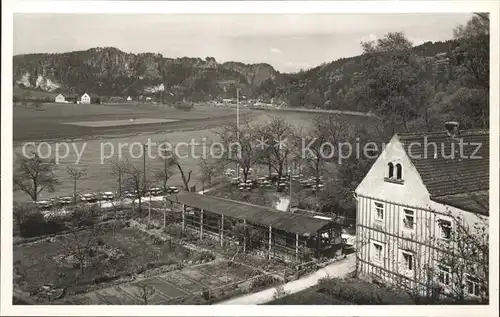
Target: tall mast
x: 238, y: 126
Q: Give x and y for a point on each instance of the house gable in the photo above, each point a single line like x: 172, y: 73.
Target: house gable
x: 410, y: 191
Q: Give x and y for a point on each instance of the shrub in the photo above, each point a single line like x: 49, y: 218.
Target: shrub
x: 263, y: 281
x: 361, y: 293
x: 32, y: 223
x: 100, y: 241
x: 279, y: 292
x: 183, y: 106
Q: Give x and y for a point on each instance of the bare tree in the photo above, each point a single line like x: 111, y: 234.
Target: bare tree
x: 167, y: 171
x: 33, y: 175
x: 118, y: 169
x: 449, y: 268
x: 82, y: 244
x: 75, y: 174
x: 186, y: 177
x: 280, y: 137
x: 244, y: 141
x: 134, y: 181
x: 145, y: 292
x: 210, y: 167
x: 466, y: 256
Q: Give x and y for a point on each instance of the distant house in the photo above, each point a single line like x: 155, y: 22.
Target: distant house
x: 148, y: 98
x: 85, y: 99
x: 60, y: 99
x: 129, y: 98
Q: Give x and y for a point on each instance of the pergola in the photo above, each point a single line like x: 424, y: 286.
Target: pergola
x: 283, y: 233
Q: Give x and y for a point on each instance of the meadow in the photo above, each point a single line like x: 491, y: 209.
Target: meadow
x: 94, y: 143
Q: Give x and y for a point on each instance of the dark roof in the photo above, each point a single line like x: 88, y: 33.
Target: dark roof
x: 259, y: 215
x: 454, y: 179
x: 476, y: 202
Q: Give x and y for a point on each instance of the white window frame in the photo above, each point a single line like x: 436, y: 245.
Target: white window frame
x: 379, y: 206
x: 381, y: 258
x: 412, y: 255
x: 475, y: 284
x: 445, y: 270
x: 441, y: 231
x: 405, y: 210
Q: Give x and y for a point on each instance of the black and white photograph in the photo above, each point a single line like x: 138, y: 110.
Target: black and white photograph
x: 263, y: 158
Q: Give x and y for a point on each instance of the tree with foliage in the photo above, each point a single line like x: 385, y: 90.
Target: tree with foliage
x: 471, y: 103
x: 391, y: 75
x: 34, y: 175
x: 473, y: 51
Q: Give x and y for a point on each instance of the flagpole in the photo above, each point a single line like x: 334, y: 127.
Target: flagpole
x: 238, y: 126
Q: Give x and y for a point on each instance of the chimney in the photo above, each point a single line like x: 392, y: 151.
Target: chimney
x: 451, y: 128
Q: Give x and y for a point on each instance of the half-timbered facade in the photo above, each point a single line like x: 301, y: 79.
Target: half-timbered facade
x: 414, y: 198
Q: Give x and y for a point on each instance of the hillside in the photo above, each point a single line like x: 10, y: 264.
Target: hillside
x: 111, y: 72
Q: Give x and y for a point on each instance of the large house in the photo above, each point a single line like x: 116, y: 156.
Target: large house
x: 60, y: 99
x: 85, y: 99
x: 413, y: 204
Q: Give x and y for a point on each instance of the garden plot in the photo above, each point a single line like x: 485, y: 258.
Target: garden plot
x: 121, y: 252
x: 188, y: 282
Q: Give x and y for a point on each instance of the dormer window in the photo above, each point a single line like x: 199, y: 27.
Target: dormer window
x: 394, y: 173
x: 399, y: 172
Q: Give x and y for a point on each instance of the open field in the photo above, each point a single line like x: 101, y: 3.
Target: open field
x: 40, y: 263
x: 196, y: 125
x: 48, y: 123
x: 190, y: 281
x: 114, y: 123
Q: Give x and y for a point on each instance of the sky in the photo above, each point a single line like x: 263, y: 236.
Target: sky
x: 287, y: 42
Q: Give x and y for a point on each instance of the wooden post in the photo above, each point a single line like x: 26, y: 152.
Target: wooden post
x: 297, y: 247
x: 149, y: 208
x: 317, y: 244
x: 183, y: 217
x: 270, y: 241
x: 201, y: 224
x: 165, y: 212
x: 221, y: 230
x: 244, y: 235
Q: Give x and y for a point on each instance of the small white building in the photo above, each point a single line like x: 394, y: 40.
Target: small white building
x: 60, y: 99
x: 85, y: 99
x: 129, y: 98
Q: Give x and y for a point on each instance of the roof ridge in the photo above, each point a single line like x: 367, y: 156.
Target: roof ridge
x: 443, y: 133
x: 232, y: 200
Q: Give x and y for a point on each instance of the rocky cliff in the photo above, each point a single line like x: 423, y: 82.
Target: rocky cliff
x: 111, y: 72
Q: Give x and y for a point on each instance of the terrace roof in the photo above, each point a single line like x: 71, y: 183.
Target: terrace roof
x: 295, y: 223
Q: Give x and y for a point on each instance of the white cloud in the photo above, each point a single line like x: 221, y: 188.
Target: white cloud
x: 276, y: 50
